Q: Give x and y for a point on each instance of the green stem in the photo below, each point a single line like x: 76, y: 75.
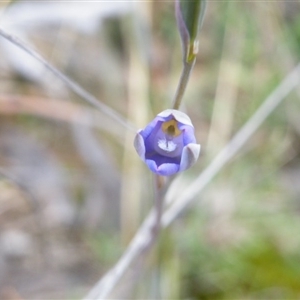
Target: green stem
x: 184, y: 78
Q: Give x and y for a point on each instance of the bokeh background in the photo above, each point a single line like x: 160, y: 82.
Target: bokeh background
x: 72, y: 190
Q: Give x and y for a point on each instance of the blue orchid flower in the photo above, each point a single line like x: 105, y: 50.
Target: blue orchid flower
x: 168, y: 144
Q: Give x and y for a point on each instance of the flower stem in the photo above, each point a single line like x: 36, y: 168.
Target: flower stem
x: 184, y: 78
x: 158, y: 190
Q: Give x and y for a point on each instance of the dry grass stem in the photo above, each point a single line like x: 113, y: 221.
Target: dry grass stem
x: 75, y: 87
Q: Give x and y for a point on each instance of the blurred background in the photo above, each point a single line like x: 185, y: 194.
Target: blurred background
x: 72, y: 189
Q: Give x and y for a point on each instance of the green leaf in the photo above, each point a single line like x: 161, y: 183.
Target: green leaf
x: 190, y: 15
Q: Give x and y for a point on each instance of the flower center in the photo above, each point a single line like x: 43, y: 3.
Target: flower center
x: 171, y: 128
x: 169, y: 139
x: 166, y: 145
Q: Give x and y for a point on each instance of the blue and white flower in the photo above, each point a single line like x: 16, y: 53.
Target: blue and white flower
x: 168, y: 144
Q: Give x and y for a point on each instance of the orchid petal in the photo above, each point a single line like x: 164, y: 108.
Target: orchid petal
x: 149, y: 128
x: 168, y: 169
x: 139, y: 145
x: 188, y: 134
x: 189, y: 156
x: 178, y: 116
